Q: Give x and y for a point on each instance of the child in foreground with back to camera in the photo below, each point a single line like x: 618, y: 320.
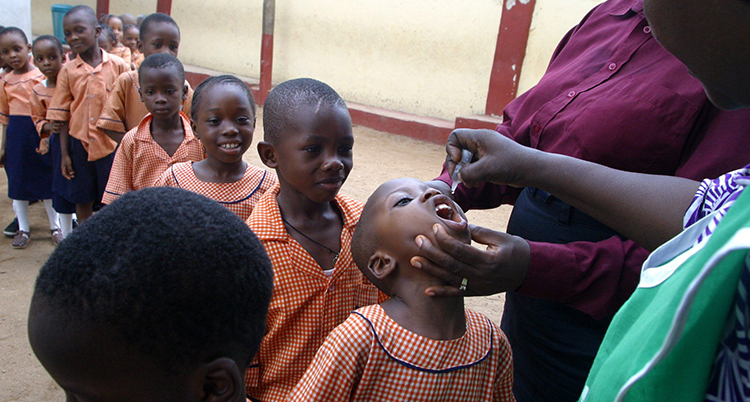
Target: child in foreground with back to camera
x: 49, y: 57
x: 168, y: 308
x: 164, y: 136
x: 124, y: 110
x: 412, y: 346
x: 86, y: 152
x: 223, y: 118
x: 29, y: 173
x: 306, y: 227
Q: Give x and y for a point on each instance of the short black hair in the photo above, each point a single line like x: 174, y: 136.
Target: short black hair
x: 84, y: 9
x: 284, y: 100
x: 153, y: 19
x: 175, y: 275
x: 128, y: 26
x: 211, y: 82
x: 54, y: 39
x: 162, y: 60
x: 108, y: 32
x: 104, y: 19
x: 14, y: 30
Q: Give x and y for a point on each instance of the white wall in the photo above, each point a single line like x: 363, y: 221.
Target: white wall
x: 16, y: 13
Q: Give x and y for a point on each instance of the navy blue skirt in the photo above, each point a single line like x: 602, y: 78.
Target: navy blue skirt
x: 29, y: 174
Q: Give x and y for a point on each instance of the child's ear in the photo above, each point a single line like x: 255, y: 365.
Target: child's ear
x: 140, y: 46
x: 267, y: 153
x: 194, y: 127
x: 223, y: 381
x: 184, y: 92
x: 140, y: 94
x: 381, y: 265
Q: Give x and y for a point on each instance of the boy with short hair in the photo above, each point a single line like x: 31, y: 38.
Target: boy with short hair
x: 86, y: 152
x: 306, y: 227
x: 124, y: 109
x: 129, y: 310
x: 164, y: 137
x: 412, y: 346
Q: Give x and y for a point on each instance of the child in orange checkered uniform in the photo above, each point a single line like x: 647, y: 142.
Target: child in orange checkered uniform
x: 124, y: 110
x: 223, y: 117
x: 412, y: 347
x: 306, y: 227
x: 163, y: 138
x: 118, y: 49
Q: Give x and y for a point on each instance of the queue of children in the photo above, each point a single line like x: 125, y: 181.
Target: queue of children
x: 115, y: 131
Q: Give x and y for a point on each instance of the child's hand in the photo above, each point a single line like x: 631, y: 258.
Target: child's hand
x: 67, y: 168
x: 2, y: 157
x: 55, y: 126
x: 43, y: 146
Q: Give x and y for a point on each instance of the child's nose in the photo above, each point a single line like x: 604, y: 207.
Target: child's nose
x: 429, y: 193
x: 333, y: 163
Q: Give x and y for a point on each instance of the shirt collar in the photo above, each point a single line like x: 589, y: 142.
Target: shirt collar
x: 625, y: 7
x: 143, y: 132
x: 79, y: 61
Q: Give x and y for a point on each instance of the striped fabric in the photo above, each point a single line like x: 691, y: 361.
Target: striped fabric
x: 306, y: 304
x: 239, y: 197
x: 371, y: 358
x: 140, y: 160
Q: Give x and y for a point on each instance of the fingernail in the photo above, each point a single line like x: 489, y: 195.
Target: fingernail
x: 435, y: 228
x: 419, y: 241
x: 416, y: 264
x: 431, y: 294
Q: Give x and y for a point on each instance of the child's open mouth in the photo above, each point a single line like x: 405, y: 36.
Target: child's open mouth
x: 446, y: 210
x: 230, y: 146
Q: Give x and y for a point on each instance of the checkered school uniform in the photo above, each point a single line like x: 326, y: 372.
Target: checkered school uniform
x: 136, y: 59
x: 372, y: 358
x: 239, y: 197
x: 124, y: 110
x: 140, y: 160
x: 122, y: 52
x: 306, y: 304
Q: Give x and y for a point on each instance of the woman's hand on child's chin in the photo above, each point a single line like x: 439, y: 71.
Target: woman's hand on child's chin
x: 499, y: 268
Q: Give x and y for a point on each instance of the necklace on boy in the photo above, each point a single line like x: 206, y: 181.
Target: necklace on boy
x: 335, y: 254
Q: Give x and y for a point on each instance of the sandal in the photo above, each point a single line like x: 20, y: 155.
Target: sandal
x: 21, y: 240
x: 57, y: 236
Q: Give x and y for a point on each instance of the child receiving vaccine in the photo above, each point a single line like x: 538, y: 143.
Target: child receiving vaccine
x: 223, y: 118
x: 48, y: 56
x: 412, y: 346
x: 124, y: 110
x: 129, y: 310
x: 130, y: 34
x: 306, y: 227
x: 29, y: 173
x: 118, y: 49
x: 163, y: 138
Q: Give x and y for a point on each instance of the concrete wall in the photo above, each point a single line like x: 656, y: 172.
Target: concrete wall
x: 16, y: 13
x: 431, y: 58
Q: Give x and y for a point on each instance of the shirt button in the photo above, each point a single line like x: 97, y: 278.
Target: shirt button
x: 647, y: 29
x: 330, y: 288
x: 92, y: 96
x: 612, y: 66
x: 571, y: 94
x: 92, y: 119
x: 537, y: 128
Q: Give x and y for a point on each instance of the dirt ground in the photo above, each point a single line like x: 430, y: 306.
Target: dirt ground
x: 377, y: 157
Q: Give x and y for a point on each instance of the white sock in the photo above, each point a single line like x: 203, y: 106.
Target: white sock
x: 54, y: 223
x: 66, y: 223
x: 21, y: 208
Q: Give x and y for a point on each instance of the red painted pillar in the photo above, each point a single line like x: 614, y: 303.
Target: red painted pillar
x: 266, y: 50
x: 510, y: 51
x: 164, y: 6
x: 102, y: 8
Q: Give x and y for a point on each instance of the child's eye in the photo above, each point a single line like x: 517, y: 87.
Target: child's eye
x: 171, y: 91
x: 212, y: 121
x: 402, y: 202
x: 243, y: 120
x: 313, y: 149
x: 345, y: 150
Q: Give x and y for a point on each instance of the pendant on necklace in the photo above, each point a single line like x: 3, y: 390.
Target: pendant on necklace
x: 335, y: 258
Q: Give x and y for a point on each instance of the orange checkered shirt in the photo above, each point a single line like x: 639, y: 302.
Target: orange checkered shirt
x: 306, y: 304
x: 136, y: 59
x: 140, y: 160
x: 122, y: 52
x: 372, y: 358
x: 15, y: 90
x: 41, y: 96
x: 79, y: 98
x: 124, y: 109
x: 239, y: 197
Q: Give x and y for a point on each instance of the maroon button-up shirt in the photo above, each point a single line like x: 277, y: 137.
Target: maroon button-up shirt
x: 612, y: 95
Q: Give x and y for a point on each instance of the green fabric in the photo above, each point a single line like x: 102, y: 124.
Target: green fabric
x: 638, y: 330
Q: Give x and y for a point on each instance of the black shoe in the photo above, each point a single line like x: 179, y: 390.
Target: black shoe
x: 12, y: 229
x: 75, y: 223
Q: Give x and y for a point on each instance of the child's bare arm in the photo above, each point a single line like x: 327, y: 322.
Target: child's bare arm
x: 66, y: 163
x: 114, y: 135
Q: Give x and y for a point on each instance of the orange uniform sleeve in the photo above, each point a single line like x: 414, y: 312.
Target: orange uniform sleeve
x: 121, y: 175
x: 113, y: 113
x: 4, y: 107
x: 504, y: 380
x: 59, y: 108
x: 38, y: 113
